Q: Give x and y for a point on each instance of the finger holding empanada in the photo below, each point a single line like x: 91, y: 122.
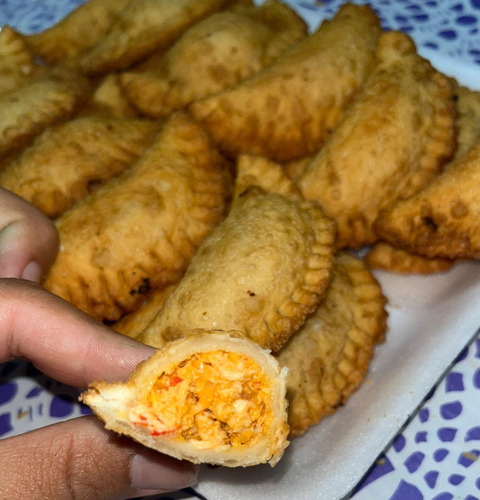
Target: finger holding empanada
x: 442, y: 220
x: 142, y: 27
x: 138, y: 232
x: 259, y: 272
x: 287, y: 110
x: 328, y: 358
x: 394, y: 139
x: 70, y: 160
x: 214, y: 54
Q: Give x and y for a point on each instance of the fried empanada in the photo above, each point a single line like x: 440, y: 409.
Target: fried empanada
x: 142, y: 27
x: 138, y: 232
x: 80, y: 29
x: 264, y: 173
x: 70, y: 160
x: 395, y: 138
x: 109, y: 99
x: 468, y: 118
x: 261, y: 271
x: 16, y: 60
x: 442, y: 220
x: 213, y: 55
x: 132, y: 324
x: 388, y: 258
x: 286, y: 111
x: 328, y: 358
x: 213, y: 398
x: 43, y: 101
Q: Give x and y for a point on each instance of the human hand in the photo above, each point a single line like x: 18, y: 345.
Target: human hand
x: 77, y: 458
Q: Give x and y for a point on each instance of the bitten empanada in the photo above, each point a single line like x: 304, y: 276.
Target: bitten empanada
x: 138, y: 232
x: 388, y: 258
x: 80, y: 29
x: 213, y: 398
x: 17, y: 63
x: 328, y: 358
x: 442, y: 220
x: 287, y: 110
x: 70, y: 160
x: 259, y: 272
x: 214, y: 54
x: 142, y: 27
x: 44, y: 100
x: 393, y: 140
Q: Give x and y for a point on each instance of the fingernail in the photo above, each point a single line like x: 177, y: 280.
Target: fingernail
x: 159, y: 473
x: 32, y: 272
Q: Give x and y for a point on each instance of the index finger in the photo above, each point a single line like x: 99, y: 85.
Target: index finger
x: 60, y: 340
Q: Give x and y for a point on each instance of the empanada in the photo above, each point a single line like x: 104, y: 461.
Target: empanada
x: 140, y: 28
x: 211, y: 398
x: 16, y: 60
x: 260, y: 272
x: 328, y: 358
x: 138, y: 232
x: 43, y: 101
x: 214, y: 54
x: 70, y: 160
x: 287, y: 110
x: 80, y: 29
x: 388, y: 258
x: 468, y: 118
x: 442, y: 220
x: 394, y: 139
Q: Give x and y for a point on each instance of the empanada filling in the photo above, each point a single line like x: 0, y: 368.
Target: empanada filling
x: 210, y: 399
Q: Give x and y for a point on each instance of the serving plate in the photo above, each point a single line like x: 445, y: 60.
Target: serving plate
x: 431, y: 320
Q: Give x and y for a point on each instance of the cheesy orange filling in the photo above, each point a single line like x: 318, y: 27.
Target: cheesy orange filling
x: 210, y: 399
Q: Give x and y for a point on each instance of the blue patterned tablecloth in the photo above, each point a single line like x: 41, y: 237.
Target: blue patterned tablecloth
x: 436, y: 454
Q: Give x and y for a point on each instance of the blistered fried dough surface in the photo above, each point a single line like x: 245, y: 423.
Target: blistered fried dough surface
x: 43, y: 101
x: 287, y: 110
x: 264, y: 173
x: 328, y: 358
x: 79, y: 30
x: 212, y: 55
x: 16, y: 60
x: 132, y: 324
x: 442, y: 220
x: 208, y: 399
x: 139, y: 231
x: 388, y: 258
x: 70, y: 160
x: 140, y: 28
x: 395, y: 137
x: 261, y: 271
x: 468, y: 118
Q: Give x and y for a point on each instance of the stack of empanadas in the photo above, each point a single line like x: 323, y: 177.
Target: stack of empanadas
x: 208, y: 166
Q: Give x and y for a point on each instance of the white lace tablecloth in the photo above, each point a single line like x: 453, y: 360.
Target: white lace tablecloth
x: 435, y: 454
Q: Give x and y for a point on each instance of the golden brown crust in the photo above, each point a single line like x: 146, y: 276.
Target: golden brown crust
x: 468, y: 118
x: 140, y: 28
x: 70, y: 160
x: 43, y: 101
x: 328, y: 358
x: 139, y: 231
x: 115, y: 403
x: 283, y: 112
x: 214, y: 54
x: 394, y: 139
x: 264, y: 173
x: 260, y: 272
x: 442, y: 220
x: 16, y: 60
x: 388, y: 258
x: 83, y: 27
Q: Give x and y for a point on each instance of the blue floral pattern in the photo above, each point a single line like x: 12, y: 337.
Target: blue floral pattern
x: 436, y: 455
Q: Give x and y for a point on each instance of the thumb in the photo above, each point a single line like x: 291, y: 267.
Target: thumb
x: 79, y: 459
